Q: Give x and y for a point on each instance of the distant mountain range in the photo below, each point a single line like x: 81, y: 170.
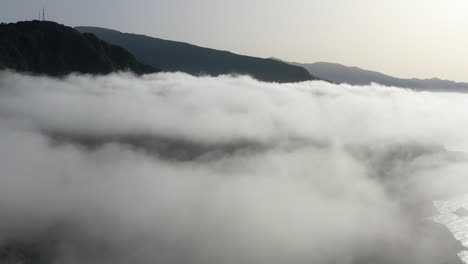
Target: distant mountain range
x: 177, y: 56
x: 44, y: 47
x: 49, y: 48
x: 338, y: 73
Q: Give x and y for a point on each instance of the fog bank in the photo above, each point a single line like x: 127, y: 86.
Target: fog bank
x: 171, y: 168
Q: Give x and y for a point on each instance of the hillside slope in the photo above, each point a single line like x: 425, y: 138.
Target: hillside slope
x: 44, y: 47
x: 178, y: 56
x: 355, y: 76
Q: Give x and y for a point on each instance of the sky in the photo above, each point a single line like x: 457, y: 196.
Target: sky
x: 403, y: 38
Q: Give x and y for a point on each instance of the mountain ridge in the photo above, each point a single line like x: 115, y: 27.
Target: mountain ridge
x: 353, y: 75
x: 196, y: 60
x: 46, y: 47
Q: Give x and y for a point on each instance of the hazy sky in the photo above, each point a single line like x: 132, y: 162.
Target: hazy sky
x: 405, y: 38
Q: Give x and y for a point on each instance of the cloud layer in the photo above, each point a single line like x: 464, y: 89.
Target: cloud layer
x: 170, y: 168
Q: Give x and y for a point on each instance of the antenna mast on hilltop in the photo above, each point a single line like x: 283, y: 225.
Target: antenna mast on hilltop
x: 43, y: 14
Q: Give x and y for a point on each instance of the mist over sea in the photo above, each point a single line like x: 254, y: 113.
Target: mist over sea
x: 171, y: 168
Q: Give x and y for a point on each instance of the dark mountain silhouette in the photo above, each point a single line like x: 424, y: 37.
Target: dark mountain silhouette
x: 338, y: 73
x: 184, y: 57
x: 44, y: 47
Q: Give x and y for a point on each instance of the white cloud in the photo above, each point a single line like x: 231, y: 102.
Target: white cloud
x: 275, y: 173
